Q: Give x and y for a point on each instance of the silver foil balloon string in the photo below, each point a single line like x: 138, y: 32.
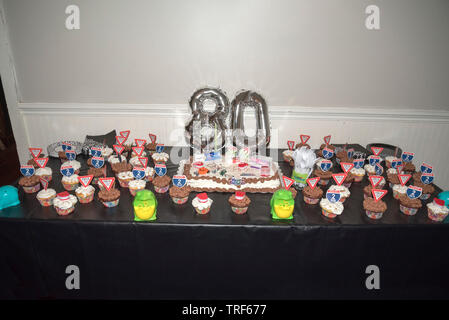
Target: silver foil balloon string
x: 254, y: 100
x: 206, y: 130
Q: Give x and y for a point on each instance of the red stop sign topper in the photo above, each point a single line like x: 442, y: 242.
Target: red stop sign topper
x: 290, y: 144
x: 287, y: 182
x: 346, y: 166
x: 327, y: 139
x: 339, y: 178
x: 120, y: 139
x: 313, y: 182
x: 378, y: 194
x: 375, y: 180
x: 304, y: 138
x: 35, y: 152
x: 376, y: 150
x: 125, y: 134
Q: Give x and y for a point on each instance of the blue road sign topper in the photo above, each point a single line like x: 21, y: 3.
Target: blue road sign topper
x: 358, y: 163
x: 325, y: 165
x: 333, y: 196
x: 179, y: 181
x: 327, y: 153
x: 97, y: 162
x: 427, y: 178
x: 26, y: 170
x: 161, y: 169
x: 407, y: 156
x: 414, y: 192
x: 139, y: 173
x: 67, y: 171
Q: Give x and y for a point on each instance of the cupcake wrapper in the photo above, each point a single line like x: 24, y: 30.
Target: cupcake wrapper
x: 408, y: 211
x: 32, y: 189
x: 64, y: 212
x: 110, y: 204
x: 161, y: 190
x: 85, y: 199
x: 425, y: 196
x: 374, y: 215
x: 436, y: 216
x: 328, y: 214
x: 237, y: 210
x: 69, y: 186
x: 204, y: 211
x: 180, y: 200
x: 134, y: 191
x: 311, y: 200
x: 46, y: 202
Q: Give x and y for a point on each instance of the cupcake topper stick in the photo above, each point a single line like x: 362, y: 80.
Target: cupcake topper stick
x: 70, y: 154
x: 152, y: 138
x: 375, y: 180
x: 107, y: 182
x: 327, y: 140
x: 159, y: 147
x: 403, y: 178
x: 85, y: 180
x: 427, y: 178
x: 143, y: 161
x: 160, y: 169
x: 339, y: 178
x: 97, y: 162
x: 239, y: 195
x: 438, y: 202
x: 63, y: 196
x: 140, y: 142
x: 290, y: 144
x: 346, y: 166
x: 333, y: 195
x: 313, y: 182
x: 407, y: 156
x: 426, y: 168
x: 378, y: 194
x: 119, y: 149
x: 379, y: 169
x: 35, y: 152
x: 288, y: 182
x: 44, y: 183
x: 120, y: 140
x: 304, y: 138
x: 138, y: 150
x: 125, y: 134
x: 41, y: 162
x: 376, y: 150
x: 179, y: 181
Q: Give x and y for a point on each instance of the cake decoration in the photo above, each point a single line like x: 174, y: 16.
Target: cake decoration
x: 97, y: 162
x: 125, y: 134
x: 373, y: 160
x: 327, y: 153
x: 397, y: 163
x: 44, y: 183
x: 138, y: 150
x: 202, y: 203
x: 427, y: 178
x: 407, y: 156
x: 179, y: 180
x: 35, y: 152
x: 140, y: 142
x: 350, y: 153
x: 378, y: 194
x: 67, y: 171
x: 304, y: 138
x: 282, y: 205
x: 346, y: 166
x: 377, y: 150
x: 159, y: 148
x: 138, y: 173
x: 160, y: 169
x: 96, y: 152
x: 333, y: 196
x: 378, y: 168
x: 143, y: 161
x: 358, y: 163
x: 120, y: 140
x: 313, y: 182
x: 288, y: 182
x: 425, y: 168
x: 290, y: 144
x: 145, y: 206
x: 339, y: 178
x: 152, y: 138
x: 85, y: 180
x: 118, y: 149
x: 414, y: 192
x: 41, y: 162
x: 375, y: 180
x: 325, y: 165
x: 404, y: 178
x: 66, y: 146
x: 107, y: 183
x: 327, y: 140
x: 70, y: 154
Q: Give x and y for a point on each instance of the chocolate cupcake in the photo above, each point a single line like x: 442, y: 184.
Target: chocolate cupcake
x: 299, y: 145
x: 97, y: 173
x: 33, y: 163
x: 312, y: 196
x: 109, y: 198
x: 329, y: 146
x: 161, y: 183
x: 121, y: 167
x: 151, y: 147
x: 427, y: 189
x: 62, y: 156
x: 324, y: 176
x: 179, y: 195
x: 409, y: 206
x: 417, y: 176
x: 367, y: 190
x: 374, y: 209
x: 239, y: 202
x: 30, y: 184
x: 349, y: 180
x: 409, y: 167
x: 393, y: 179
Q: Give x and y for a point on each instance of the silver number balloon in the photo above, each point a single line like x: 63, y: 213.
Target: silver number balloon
x: 254, y: 100
x: 205, y: 128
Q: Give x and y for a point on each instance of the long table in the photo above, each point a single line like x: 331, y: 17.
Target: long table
x: 221, y: 255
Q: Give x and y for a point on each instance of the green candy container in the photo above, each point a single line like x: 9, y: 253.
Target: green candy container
x: 282, y: 205
x: 145, y: 206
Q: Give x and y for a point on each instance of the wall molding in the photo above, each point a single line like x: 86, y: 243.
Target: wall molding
x: 276, y: 112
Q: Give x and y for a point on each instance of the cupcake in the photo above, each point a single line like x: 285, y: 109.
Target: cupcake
x: 46, y: 197
x: 76, y: 165
x: 179, y: 195
x: 124, y: 178
x: 134, y: 161
x: 436, y: 210
x: 312, y: 196
x: 151, y: 147
x: 127, y: 150
x: 318, y: 163
x: 299, y: 145
x: 202, y: 203
x: 344, y: 191
x: 33, y: 163
x: 109, y: 198
x: 409, y: 206
x: 160, y: 157
x: 409, y: 167
x: 393, y: 177
x: 239, y: 202
x: 161, y: 184
x: 133, y: 154
x: 417, y: 176
x: 44, y: 173
x: 106, y: 152
x: 342, y: 156
x: 121, y: 167
x: 427, y: 189
x: 30, y: 184
x: 324, y: 176
x: 70, y: 183
x: 349, y: 180
x: 62, y: 156
x: 374, y: 209
x: 399, y: 190
x: 287, y: 154
x: 149, y: 174
x: 97, y: 173
x: 331, y: 209
x: 389, y: 160
x: 115, y: 159
x: 64, y: 203
x: 136, y: 185
x: 85, y: 194
x: 370, y: 170
x: 358, y: 174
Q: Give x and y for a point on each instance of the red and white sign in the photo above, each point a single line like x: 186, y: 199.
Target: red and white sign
x: 35, y: 152
x: 327, y: 139
x: 304, y: 138
x: 378, y: 194
x: 404, y: 178
x: 125, y: 134
x: 288, y: 182
x: 202, y: 197
x: 346, y: 166
x: 140, y: 142
x: 85, y: 180
x: 108, y: 183
x: 291, y: 144
x: 118, y: 148
x: 377, y: 150
x: 120, y: 139
x: 63, y: 196
x: 399, y: 168
x: 143, y: 161
x: 339, y: 178
x: 313, y: 182
x: 41, y: 162
x: 438, y: 202
x: 152, y: 138
x: 138, y: 150
x: 375, y: 180
x: 239, y: 195
x: 44, y: 183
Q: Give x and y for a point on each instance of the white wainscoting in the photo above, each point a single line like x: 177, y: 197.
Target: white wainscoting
x: 424, y: 132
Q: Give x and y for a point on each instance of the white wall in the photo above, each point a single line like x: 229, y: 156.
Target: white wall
x: 134, y: 64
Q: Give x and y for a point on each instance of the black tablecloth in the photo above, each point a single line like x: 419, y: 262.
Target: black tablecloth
x: 220, y: 255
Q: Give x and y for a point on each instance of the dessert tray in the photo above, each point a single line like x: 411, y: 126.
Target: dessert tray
x: 56, y: 147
